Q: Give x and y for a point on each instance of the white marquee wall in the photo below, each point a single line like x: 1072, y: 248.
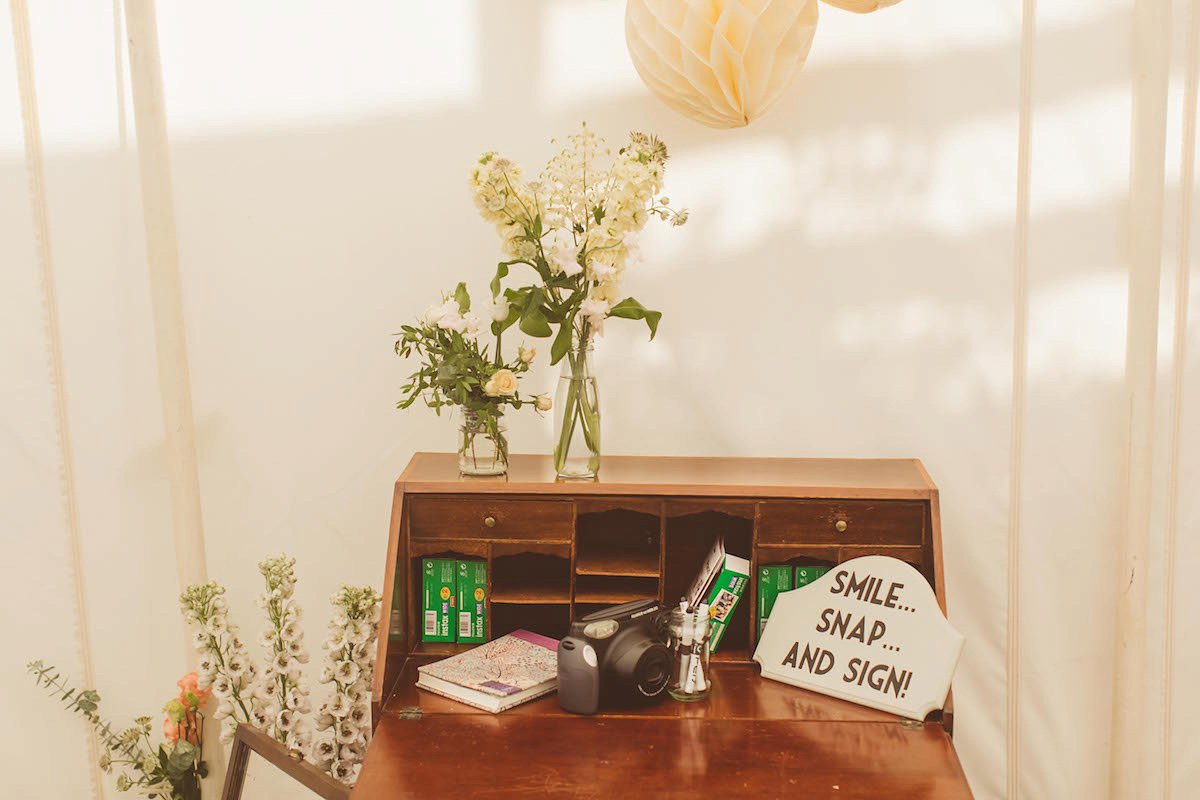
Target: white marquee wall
x: 851, y: 283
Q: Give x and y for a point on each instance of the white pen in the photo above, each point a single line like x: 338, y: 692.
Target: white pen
x: 700, y: 641
x: 695, y: 665
x: 685, y: 648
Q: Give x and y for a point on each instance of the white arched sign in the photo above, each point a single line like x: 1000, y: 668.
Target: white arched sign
x: 869, y: 631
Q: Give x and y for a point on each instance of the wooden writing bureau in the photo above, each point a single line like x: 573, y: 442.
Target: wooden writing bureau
x: 558, y: 550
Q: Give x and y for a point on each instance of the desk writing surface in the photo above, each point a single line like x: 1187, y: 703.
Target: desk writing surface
x: 752, y: 737
x: 485, y: 756
x: 739, y: 692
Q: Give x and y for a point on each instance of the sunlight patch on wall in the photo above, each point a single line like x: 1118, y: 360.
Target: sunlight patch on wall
x: 1077, y: 331
x: 971, y: 182
x: 869, y: 181
x: 975, y: 361
x: 584, y: 52
x: 875, y: 179
x: 737, y: 193
x: 1077, y: 326
x: 230, y: 64
x: 896, y: 32
x: 920, y: 30
x: 74, y: 75
x: 1082, y: 153
x: 12, y: 140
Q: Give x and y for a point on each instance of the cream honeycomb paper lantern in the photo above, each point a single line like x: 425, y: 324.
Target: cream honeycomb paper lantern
x: 862, y: 6
x: 723, y: 63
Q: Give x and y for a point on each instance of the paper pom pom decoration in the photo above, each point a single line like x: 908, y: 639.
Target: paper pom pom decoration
x: 862, y: 6
x: 723, y: 63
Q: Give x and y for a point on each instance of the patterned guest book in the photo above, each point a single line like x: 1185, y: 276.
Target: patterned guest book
x: 498, y: 675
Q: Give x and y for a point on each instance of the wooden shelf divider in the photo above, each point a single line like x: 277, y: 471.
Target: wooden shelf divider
x: 611, y: 596
x: 644, y: 565
x: 533, y: 595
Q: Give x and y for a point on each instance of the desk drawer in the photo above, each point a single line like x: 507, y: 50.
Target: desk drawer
x: 487, y: 518
x: 841, y: 521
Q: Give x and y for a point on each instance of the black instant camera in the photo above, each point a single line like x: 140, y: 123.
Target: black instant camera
x: 614, y: 657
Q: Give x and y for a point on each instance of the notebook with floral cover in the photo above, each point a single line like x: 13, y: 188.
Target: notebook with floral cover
x: 498, y: 675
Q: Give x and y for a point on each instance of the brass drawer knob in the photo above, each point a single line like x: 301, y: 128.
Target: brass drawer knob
x: 840, y: 526
x: 489, y: 521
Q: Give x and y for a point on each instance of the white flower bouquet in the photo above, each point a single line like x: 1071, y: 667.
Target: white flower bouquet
x: 457, y: 370
x: 576, y: 229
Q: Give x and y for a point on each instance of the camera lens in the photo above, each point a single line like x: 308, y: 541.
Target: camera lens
x: 653, y: 669
x: 640, y: 666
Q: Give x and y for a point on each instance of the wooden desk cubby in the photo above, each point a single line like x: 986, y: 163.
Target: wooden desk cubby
x: 558, y: 550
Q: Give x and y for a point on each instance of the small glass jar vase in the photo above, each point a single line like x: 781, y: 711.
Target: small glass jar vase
x: 482, y: 445
x: 577, y: 424
x: 690, y: 640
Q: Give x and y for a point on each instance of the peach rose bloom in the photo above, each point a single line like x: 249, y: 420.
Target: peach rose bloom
x: 170, y: 731
x: 191, y: 683
x: 503, y: 382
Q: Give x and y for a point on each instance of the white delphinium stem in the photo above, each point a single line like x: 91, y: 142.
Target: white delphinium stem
x: 225, y: 664
x: 282, y: 696
x: 345, y: 721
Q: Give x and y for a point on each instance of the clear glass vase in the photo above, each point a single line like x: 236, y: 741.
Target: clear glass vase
x: 577, y: 424
x: 482, y: 445
x: 689, y: 637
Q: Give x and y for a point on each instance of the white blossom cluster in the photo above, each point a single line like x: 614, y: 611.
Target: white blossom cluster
x: 505, y: 201
x: 345, y: 721
x: 281, y: 698
x: 582, y: 216
x: 446, y: 315
x: 224, y: 664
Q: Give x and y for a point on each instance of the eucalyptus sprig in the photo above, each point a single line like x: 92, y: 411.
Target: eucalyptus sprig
x: 156, y: 772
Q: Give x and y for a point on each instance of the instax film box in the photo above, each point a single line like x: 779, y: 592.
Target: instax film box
x: 806, y: 575
x: 472, y: 607
x: 722, y: 580
x: 728, y: 589
x: 437, y: 587
x: 772, y: 579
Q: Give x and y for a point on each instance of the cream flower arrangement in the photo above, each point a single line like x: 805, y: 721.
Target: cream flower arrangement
x: 458, y: 368
x: 575, y: 229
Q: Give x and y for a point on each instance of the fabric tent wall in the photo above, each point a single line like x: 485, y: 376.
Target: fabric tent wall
x: 847, y: 287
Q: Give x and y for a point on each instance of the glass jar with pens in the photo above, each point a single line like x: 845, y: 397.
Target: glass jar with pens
x: 688, y: 632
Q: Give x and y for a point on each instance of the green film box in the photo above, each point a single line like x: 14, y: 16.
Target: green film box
x: 806, y: 575
x: 722, y: 580
x: 728, y: 589
x: 437, y: 589
x: 472, y: 605
x: 772, y: 579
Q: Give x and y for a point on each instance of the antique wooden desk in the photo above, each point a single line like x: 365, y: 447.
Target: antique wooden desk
x: 557, y: 550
